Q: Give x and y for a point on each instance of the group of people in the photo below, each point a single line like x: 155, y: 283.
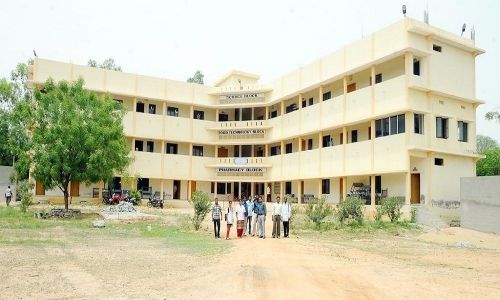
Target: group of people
x: 250, y: 216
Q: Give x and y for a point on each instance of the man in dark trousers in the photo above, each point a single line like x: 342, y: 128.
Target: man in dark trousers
x: 286, y: 214
x: 216, y: 216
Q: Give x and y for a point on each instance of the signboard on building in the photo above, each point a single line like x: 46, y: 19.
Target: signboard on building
x: 241, y: 98
x: 241, y: 133
x: 240, y: 171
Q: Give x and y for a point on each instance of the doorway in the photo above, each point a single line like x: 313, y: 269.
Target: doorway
x: 415, y: 189
x: 223, y: 117
x: 222, y: 152
x: 341, y: 188
x: 39, y: 189
x: 177, y: 189
x: 193, y: 187
x: 75, y: 189
x: 351, y: 87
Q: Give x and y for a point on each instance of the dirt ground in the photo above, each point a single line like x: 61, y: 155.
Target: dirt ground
x: 85, y: 263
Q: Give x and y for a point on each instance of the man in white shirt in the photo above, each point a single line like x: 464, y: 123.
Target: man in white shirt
x: 286, y: 214
x: 276, y: 218
x: 8, y: 195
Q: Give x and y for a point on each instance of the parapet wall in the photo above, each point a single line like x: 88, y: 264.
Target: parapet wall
x: 480, y: 203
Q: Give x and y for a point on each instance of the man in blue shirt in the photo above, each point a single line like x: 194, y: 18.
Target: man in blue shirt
x: 261, y: 211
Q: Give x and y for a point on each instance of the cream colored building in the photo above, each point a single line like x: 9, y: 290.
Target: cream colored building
x: 394, y: 112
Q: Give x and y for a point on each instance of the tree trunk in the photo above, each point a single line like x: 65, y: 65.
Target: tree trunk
x: 66, y: 194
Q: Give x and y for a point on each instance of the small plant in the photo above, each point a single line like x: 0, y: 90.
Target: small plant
x: 317, y: 210
x: 413, y: 213
x: 24, y: 191
x: 136, y: 195
x: 351, y: 209
x: 390, y: 207
x: 201, y: 204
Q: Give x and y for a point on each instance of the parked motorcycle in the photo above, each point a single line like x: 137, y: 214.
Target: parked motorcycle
x: 155, y: 201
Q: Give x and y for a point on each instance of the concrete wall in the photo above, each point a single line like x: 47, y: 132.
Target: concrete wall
x: 480, y: 203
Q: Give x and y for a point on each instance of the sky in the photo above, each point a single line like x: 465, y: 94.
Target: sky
x: 173, y: 39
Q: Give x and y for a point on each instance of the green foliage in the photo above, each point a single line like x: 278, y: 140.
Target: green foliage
x: 493, y: 115
x: 350, y: 210
x: 490, y: 165
x: 24, y: 191
x: 137, y: 195
x: 197, y: 77
x: 413, y: 213
x: 317, y: 210
x: 108, y: 64
x: 202, y: 205
x: 390, y: 207
x: 76, y: 136
x: 485, y: 143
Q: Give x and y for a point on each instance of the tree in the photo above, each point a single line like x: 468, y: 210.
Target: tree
x: 485, y: 143
x: 493, y: 115
x: 108, y: 64
x: 490, y: 165
x: 197, y: 77
x: 201, y: 204
x: 76, y: 136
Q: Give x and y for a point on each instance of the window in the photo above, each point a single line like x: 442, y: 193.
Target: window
x: 436, y: 48
x: 150, y: 146
x: 325, y: 186
x: 327, y: 96
x: 462, y: 131
x: 139, y: 107
x: 441, y: 128
x: 197, y: 150
x: 327, y: 141
x: 228, y: 187
x: 439, y: 161
x: 290, y: 108
x: 311, y: 101
x: 143, y: 184
x: 378, y: 184
x: 223, y: 117
x: 354, y: 136
x: 304, y: 103
x: 152, y: 109
x: 172, y: 111
x: 389, y: 126
x: 288, y: 188
x: 288, y: 148
x: 139, y: 145
x: 378, y: 128
x: 309, y: 144
x: 416, y: 67
x: 199, y: 115
x: 212, y: 187
x: 401, y: 123
x: 418, y: 123
x: 171, y: 148
x: 221, y: 188
x: 275, y: 150
x: 378, y: 78
x: 273, y: 114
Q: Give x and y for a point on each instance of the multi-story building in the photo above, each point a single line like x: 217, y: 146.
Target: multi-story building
x: 393, y: 114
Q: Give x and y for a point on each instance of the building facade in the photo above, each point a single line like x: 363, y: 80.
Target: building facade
x: 393, y: 114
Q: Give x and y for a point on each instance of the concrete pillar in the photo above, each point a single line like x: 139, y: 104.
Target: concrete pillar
x: 266, y: 117
x: 282, y: 189
x: 408, y: 188
x: 189, y: 190
x: 344, y: 187
x: 266, y: 150
x: 320, y: 183
x: 372, y: 190
x: 161, y: 189
x: 217, y: 115
x: 239, y: 188
x: 299, y: 191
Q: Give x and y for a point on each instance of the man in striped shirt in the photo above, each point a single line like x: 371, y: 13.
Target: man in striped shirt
x: 216, y: 216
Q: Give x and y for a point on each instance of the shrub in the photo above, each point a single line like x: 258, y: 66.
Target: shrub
x: 137, y: 195
x: 413, y: 213
x: 317, y: 210
x: 390, y: 207
x: 24, y: 191
x: 351, y: 209
x: 202, y: 205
